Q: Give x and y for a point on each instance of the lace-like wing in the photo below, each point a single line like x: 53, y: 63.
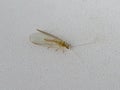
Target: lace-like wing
x: 45, y: 39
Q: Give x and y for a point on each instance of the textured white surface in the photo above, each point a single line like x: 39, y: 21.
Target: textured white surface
x: 24, y: 66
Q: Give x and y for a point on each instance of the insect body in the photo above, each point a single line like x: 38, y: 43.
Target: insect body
x: 49, y: 40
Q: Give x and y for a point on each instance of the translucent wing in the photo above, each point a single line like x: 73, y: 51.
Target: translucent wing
x: 44, y: 38
x: 49, y: 34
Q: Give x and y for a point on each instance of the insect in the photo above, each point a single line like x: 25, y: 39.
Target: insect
x: 49, y: 40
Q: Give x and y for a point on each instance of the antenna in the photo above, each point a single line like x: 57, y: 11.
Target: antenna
x: 87, y: 43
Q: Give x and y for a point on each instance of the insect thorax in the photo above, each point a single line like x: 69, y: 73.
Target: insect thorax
x: 65, y: 44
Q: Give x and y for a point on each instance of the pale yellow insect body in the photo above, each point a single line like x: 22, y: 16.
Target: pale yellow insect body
x: 49, y: 40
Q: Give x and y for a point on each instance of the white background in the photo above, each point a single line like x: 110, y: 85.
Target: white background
x: 25, y: 66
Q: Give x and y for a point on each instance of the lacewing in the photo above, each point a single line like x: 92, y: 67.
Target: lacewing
x: 48, y: 40
x: 51, y: 41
